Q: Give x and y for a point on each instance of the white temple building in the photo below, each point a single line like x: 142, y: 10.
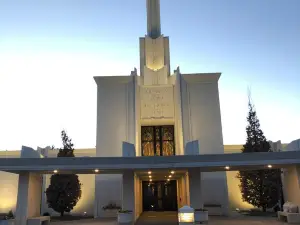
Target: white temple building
x: 159, y: 146
x: 159, y: 112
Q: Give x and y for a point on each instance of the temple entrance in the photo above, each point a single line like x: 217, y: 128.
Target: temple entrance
x: 160, y: 196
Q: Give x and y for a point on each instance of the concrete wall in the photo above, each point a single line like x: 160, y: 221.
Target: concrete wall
x: 138, y: 196
x: 234, y: 193
x: 291, y: 182
x: 182, y: 194
x: 115, y: 124
x: 115, y: 114
x: 201, y: 118
x: 8, y: 191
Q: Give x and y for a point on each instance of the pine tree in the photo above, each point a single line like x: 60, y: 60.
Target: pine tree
x: 64, y: 190
x: 261, y: 188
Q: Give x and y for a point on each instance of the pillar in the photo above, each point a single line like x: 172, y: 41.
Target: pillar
x: 196, y: 200
x: 29, y: 197
x: 128, y: 195
x: 291, y: 184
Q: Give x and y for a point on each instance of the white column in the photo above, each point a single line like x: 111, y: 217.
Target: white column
x: 196, y: 200
x: 291, y: 184
x: 128, y: 195
x: 29, y: 197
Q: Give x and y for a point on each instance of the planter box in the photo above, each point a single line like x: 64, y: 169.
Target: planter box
x: 214, y: 209
x: 7, y: 222
x: 110, y: 213
x: 201, y: 216
x: 125, y: 218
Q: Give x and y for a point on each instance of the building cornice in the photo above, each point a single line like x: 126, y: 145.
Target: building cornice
x: 201, y: 77
x: 100, y: 80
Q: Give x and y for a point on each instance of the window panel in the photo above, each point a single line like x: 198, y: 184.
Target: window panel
x: 148, y: 149
x: 157, y: 141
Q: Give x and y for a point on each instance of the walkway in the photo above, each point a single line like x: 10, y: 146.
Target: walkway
x: 170, y: 218
x: 158, y: 218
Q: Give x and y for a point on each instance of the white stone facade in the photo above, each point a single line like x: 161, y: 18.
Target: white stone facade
x: 189, y: 102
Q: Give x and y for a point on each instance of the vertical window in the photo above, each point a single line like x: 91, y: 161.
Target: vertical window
x: 158, y: 140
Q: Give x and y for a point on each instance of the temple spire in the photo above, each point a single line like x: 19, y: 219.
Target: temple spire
x: 153, y: 18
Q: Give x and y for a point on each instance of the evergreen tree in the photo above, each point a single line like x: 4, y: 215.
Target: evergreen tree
x: 261, y: 188
x: 64, y: 190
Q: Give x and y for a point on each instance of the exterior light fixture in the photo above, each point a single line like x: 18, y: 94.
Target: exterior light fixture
x: 269, y: 166
x: 172, y: 172
x: 150, y: 180
x: 168, y: 179
x: 149, y: 172
x: 55, y: 171
x: 150, y: 176
x: 227, y: 167
x: 170, y: 176
x: 96, y: 170
x: 186, y: 215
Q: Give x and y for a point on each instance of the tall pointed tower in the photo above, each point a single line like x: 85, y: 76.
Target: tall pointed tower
x: 154, y: 49
x: 158, y: 113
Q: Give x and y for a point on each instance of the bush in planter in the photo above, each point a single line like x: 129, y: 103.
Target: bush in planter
x: 111, y: 206
x: 9, y: 215
x: 125, y: 211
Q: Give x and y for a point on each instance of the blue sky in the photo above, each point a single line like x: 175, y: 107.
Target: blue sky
x: 50, y: 51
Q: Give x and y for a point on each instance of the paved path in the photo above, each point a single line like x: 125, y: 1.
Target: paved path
x: 157, y: 218
x: 170, y: 218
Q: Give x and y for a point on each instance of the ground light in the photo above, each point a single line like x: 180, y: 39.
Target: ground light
x: 186, y: 215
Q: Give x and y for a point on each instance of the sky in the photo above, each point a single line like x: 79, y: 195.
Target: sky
x: 51, y: 50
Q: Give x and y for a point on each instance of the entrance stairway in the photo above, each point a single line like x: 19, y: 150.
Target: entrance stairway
x: 158, y: 218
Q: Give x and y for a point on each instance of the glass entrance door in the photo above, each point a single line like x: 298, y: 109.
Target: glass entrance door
x: 160, y: 196
x: 158, y: 140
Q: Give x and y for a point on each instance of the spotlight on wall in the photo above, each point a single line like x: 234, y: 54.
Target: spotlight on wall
x: 55, y: 171
x: 227, y: 167
x: 149, y: 172
x: 269, y: 166
x: 96, y: 170
x: 172, y: 172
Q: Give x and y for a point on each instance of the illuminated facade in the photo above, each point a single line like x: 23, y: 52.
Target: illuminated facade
x: 154, y: 115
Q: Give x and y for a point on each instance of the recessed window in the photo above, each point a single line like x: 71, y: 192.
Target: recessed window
x: 158, y: 140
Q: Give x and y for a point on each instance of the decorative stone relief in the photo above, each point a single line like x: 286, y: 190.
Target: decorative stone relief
x: 157, y: 102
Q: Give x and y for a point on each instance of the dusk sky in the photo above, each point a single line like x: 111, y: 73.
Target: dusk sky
x: 50, y: 51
